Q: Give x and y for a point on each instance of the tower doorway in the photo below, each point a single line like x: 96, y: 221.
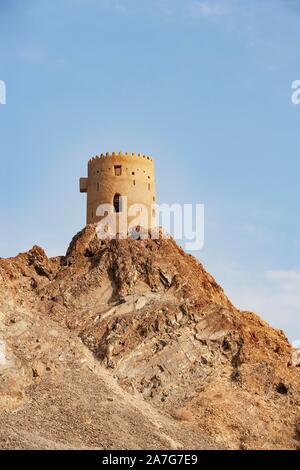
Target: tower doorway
x: 117, y: 202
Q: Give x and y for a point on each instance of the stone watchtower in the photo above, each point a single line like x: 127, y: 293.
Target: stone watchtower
x: 113, y: 176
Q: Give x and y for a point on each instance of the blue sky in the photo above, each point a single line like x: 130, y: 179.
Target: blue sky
x: 202, y: 86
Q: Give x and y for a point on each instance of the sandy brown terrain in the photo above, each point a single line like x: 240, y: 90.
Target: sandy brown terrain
x: 132, y: 344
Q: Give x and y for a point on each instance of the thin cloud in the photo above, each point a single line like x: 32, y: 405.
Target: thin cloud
x: 165, y: 8
x: 32, y: 55
x: 273, y: 295
x: 288, y: 280
x: 199, y: 9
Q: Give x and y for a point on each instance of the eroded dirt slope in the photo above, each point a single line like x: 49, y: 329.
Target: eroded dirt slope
x: 157, y: 325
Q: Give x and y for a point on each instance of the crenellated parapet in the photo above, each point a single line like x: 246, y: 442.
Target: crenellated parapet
x: 118, y: 155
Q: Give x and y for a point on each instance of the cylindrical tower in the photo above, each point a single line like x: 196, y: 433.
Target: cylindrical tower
x: 113, y: 176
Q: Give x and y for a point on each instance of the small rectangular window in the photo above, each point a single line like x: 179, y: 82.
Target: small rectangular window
x: 118, y: 170
x: 133, y: 182
x: 148, y: 186
x: 97, y: 186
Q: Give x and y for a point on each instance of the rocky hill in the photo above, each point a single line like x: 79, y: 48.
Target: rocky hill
x: 132, y: 344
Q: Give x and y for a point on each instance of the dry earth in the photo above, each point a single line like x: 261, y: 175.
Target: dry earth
x: 132, y: 344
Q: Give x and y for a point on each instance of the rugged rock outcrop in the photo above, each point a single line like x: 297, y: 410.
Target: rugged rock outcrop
x: 141, y: 321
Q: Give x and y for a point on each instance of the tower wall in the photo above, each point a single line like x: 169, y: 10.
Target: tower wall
x: 121, y: 174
